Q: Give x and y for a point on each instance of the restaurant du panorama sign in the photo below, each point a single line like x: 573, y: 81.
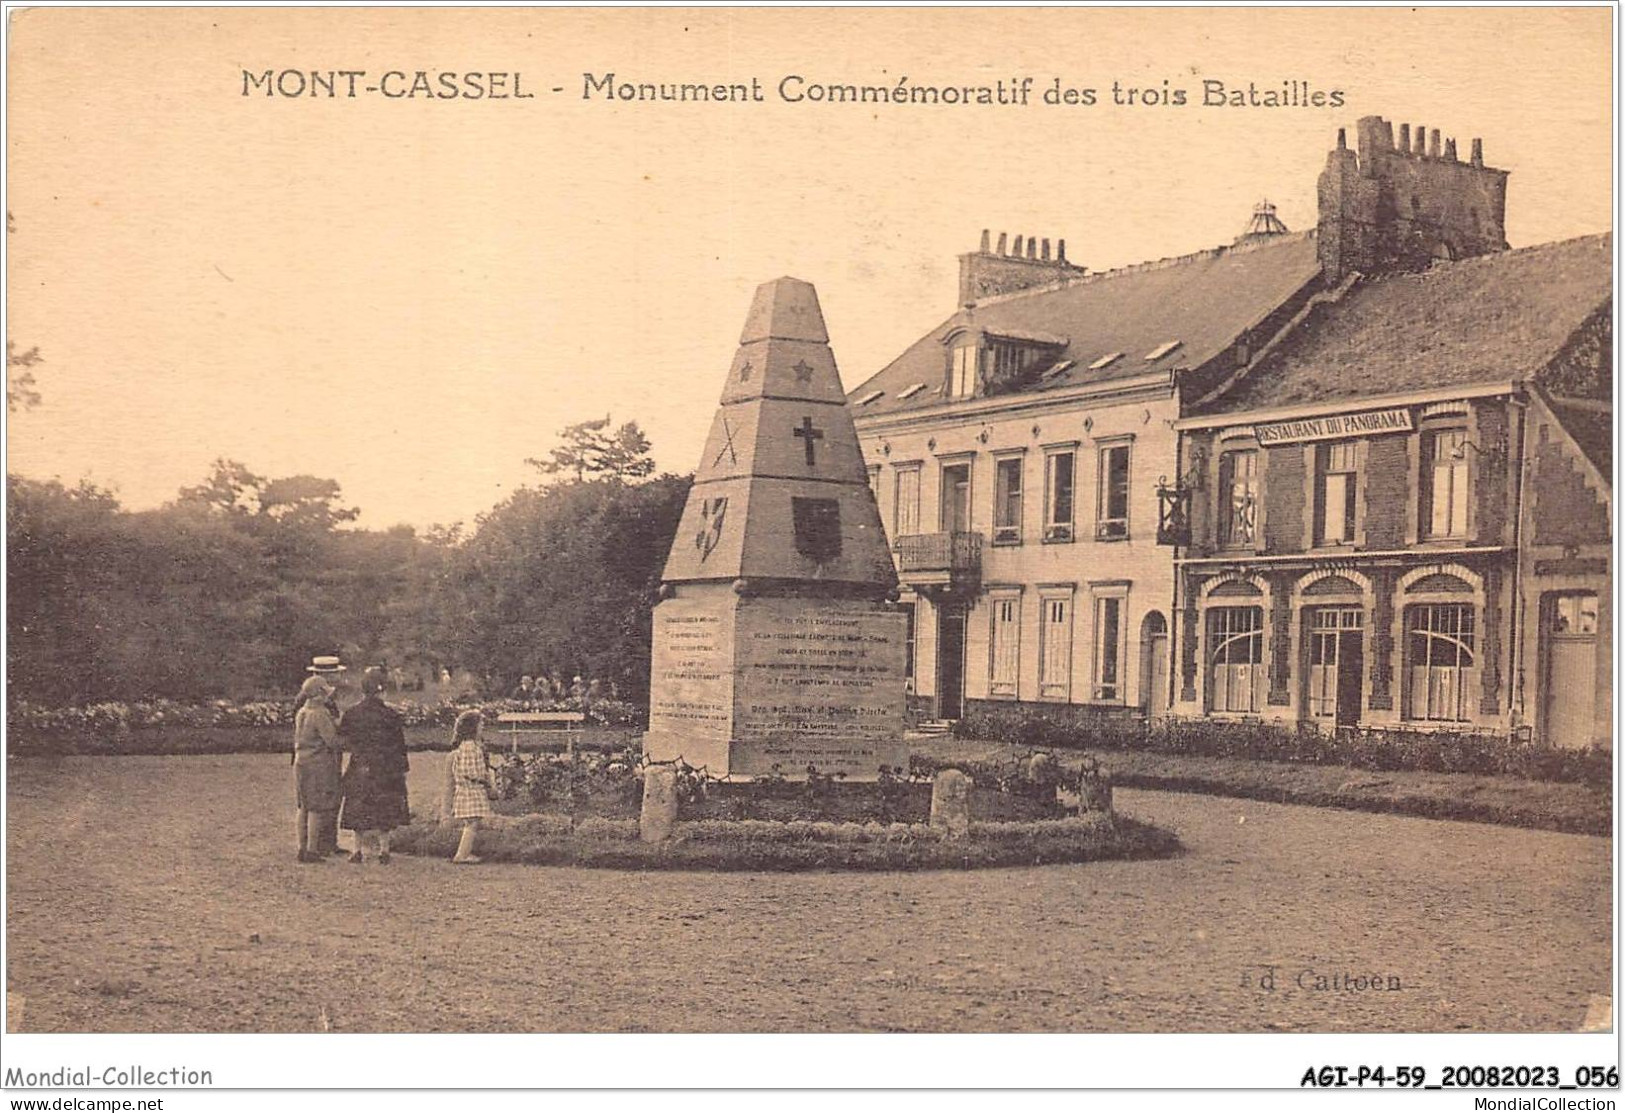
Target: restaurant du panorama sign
x: 1329, y: 428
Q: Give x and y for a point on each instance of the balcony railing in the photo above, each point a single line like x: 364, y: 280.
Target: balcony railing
x: 947, y: 554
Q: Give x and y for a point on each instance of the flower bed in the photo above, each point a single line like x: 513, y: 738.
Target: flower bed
x: 265, y: 726
x: 765, y: 845
x: 584, y: 811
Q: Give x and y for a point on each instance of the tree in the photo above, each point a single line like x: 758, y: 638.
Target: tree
x: 591, y: 448
x: 230, y: 489
x: 303, y: 502
x: 564, y: 579
x: 20, y: 392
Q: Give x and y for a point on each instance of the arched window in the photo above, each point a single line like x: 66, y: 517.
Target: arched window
x: 1440, y: 661
x: 1236, y: 660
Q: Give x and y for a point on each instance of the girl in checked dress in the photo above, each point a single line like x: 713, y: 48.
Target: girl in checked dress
x: 469, y: 783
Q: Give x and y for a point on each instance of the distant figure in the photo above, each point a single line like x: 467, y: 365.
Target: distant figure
x: 526, y: 689
x: 445, y: 677
x: 316, y: 761
x: 469, y: 784
x: 374, y: 783
x: 578, y: 690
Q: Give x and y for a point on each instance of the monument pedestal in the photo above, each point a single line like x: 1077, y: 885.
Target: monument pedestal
x: 774, y: 649
x: 743, y: 684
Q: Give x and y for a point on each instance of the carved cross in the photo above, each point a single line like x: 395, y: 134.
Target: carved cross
x: 806, y: 431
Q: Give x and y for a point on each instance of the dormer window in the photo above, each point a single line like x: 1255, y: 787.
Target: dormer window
x: 998, y: 360
x: 1011, y: 358
x: 962, y: 372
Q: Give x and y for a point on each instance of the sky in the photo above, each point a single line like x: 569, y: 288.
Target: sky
x: 411, y: 296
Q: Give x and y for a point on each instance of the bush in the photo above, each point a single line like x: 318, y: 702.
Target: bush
x: 1381, y: 749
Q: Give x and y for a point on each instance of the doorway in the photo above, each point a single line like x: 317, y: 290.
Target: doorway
x: 1154, y: 665
x: 1569, y: 634
x: 951, y: 661
x: 955, y: 498
x: 1336, y: 673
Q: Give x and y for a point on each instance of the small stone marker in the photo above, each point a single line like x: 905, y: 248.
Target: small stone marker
x: 1094, y: 790
x: 950, y: 803
x: 659, y: 803
x: 1043, y: 776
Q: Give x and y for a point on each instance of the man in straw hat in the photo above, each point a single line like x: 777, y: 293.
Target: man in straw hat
x: 316, y: 760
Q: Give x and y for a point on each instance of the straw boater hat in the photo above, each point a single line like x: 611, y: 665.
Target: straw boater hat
x: 324, y: 665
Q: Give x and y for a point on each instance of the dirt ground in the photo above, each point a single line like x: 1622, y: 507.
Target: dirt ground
x: 161, y: 894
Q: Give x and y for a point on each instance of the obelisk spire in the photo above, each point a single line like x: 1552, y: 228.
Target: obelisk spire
x: 781, y: 492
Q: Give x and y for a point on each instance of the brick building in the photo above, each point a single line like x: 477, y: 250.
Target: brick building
x: 1401, y: 515
x: 1360, y: 466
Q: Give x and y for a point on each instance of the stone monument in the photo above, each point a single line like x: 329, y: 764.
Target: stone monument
x: 775, y: 643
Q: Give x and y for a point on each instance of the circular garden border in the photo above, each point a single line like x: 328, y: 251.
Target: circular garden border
x: 771, y: 845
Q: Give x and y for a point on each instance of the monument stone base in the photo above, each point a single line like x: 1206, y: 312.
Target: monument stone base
x: 747, y: 685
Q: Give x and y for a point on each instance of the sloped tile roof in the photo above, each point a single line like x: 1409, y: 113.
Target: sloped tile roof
x: 1205, y: 301
x: 1496, y: 318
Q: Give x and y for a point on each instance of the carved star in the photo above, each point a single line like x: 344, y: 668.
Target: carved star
x: 803, y: 372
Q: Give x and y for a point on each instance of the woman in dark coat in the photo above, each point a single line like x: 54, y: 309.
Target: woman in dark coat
x: 375, y: 781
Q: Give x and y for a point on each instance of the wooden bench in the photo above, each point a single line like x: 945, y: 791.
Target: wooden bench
x: 541, y: 722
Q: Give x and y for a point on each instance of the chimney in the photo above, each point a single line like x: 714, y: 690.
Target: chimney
x: 1027, y: 264
x: 1399, y: 207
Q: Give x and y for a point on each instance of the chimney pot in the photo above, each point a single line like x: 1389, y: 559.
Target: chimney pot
x: 1032, y: 247
x: 1060, y: 250
x: 1478, y: 152
x: 1405, y: 138
x: 1420, y: 138
x: 1342, y: 140
x: 1433, y: 143
x: 1046, y: 249
x: 1002, y: 244
x: 984, y: 241
x: 1015, y: 246
x: 1450, y: 150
